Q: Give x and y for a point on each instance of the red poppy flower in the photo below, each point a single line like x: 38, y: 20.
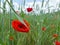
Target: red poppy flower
x: 43, y: 28
x: 57, y: 43
x: 29, y: 9
x: 55, y: 35
x: 18, y: 26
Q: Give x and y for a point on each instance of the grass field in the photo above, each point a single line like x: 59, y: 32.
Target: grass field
x: 36, y: 36
x: 44, y: 28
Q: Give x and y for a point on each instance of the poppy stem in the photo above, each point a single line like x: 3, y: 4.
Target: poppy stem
x: 3, y: 38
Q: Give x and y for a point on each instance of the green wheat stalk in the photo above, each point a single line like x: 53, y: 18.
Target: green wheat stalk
x: 42, y: 3
x: 20, y: 19
x: 0, y: 5
x: 34, y: 3
x: 10, y: 42
x: 3, y: 21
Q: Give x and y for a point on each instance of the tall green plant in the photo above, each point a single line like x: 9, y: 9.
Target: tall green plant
x: 24, y: 3
x: 4, y: 6
x: 59, y: 6
x: 4, y: 3
x: 10, y: 41
x: 10, y: 13
x: 19, y: 18
x: 47, y: 4
x: 0, y: 5
x: 34, y: 2
x: 42, y: 7
x: 42, y: 3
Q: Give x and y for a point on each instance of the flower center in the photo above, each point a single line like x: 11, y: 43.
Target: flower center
x: 19, y: 26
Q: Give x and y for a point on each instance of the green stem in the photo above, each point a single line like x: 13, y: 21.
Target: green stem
x: 42, y: 3
x: 10, y: 41
x: 4, y: 3
x: 2, y: 8
x: 24, y: 3
x: 20, y: 19
x: 34, y: 2
x: 2, y: 28
x: 3, y: 22
x: 0, y: 5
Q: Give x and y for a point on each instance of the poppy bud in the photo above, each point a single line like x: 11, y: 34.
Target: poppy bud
x: 29, y: 9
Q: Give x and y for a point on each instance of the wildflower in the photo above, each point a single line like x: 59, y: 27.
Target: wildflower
x: 55, y: 35
x: 43, y: 28
x: 11, y: 38
x: 18, y: 26
x: 57, y: 43
x: 29, y: 9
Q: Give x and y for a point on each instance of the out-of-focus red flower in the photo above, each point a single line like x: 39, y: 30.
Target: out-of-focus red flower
x: 43, y: 28
x: 18, y: 26
x: 11, y: 38
x: 57, y: 43
x: 55, y: 35
x: 29, y: 9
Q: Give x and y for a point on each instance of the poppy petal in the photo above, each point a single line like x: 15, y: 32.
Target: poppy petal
x: 18, y: 26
